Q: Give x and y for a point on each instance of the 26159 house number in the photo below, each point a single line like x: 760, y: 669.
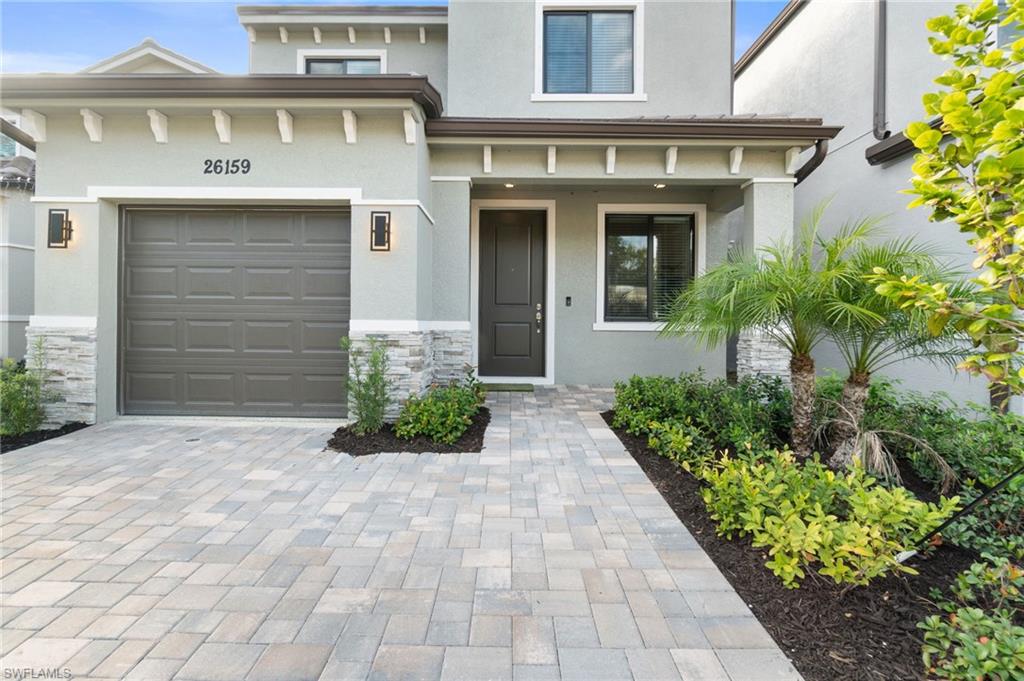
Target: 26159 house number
x: 226, y: 166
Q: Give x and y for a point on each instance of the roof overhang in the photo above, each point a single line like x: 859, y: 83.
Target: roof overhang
x: 19, y: 90
x: 895, y: 146
x: 768, y: 34
x: 342, y: 14
x: 807, y: 130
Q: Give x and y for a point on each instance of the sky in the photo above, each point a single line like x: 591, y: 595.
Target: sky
x: 42, y: 35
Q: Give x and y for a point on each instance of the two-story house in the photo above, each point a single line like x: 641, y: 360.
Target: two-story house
x: 864, y: 66
x: 521, y: 186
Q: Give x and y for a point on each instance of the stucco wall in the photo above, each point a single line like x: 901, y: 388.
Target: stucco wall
x: 823, y: 64
x: 491, y: 62
x: 405, y: 53
x: 16, y: 265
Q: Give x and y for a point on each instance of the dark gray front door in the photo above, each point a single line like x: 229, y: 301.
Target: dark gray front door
x: 234, y: 312
x: 512, y: 293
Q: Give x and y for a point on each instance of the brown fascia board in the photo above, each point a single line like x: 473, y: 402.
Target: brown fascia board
x: 894, y: 146
x: 299, y: 86
x: 681, y: 128
x: 769, y: 33
x: 345, y: 10
x: 17, y: 134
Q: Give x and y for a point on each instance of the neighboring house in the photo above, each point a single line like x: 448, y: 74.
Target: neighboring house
x: 522, y: 186
x: 17, y: 229
x: 865, y: 66
x: 149, y: 56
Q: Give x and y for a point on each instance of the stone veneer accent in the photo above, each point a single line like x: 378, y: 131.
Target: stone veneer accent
x: 757, y: 353
x: 419, y: 358
x: 69, y: 356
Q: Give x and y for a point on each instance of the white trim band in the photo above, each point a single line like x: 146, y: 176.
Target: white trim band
x: 768, y: 180
x: 405, y: 325
x: 451, y: 178
x: 95, y: 193
x: 395, y: 202
x: 13, y: 318
x: 629, y: 326
x: 62, y: 321
x: 20, y: 247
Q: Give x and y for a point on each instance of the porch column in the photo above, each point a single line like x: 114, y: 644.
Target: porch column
x: 452, y: 346
x: 767, y: 220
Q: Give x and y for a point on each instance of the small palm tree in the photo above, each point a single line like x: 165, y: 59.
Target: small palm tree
x: 785, y: 292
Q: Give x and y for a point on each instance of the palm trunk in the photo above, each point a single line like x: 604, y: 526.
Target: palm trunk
x: 999, y: 397
x: 844, y: 433
x: 801, y: 376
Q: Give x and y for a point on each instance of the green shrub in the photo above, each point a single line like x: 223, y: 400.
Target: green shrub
x: 844, y: 526
x: 980, y: 636
x: 22, y: 395
x: 444, y: 413
x: 369, y: 387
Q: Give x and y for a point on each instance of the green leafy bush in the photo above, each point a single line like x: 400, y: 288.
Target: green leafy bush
x: 369, y: 387
x: 844, y: 526
x: 980, y: 635
x: 22, y: 395
x: 689, y: 418
x: 444, y: 413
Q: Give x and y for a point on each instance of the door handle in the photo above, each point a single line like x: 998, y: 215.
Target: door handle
x: 539, y: 317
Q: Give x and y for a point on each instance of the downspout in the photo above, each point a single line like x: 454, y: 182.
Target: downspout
x: 820, y: 152
x: 879, y: 129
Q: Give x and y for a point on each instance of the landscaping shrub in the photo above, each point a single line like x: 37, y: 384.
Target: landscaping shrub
x: 444, y: 413
x: 980, y: 635
x: 22, y: 395
x: 369, y: 387
x: 842, y: 525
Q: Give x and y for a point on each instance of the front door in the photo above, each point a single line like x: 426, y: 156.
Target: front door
x: 512, y: 292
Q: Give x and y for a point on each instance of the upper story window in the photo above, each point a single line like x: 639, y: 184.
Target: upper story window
x: 343, y: 67
x: 588, y: 52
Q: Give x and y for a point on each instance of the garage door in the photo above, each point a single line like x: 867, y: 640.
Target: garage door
x: 234, y: 312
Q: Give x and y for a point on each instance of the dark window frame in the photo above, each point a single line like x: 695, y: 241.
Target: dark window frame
x: 588, y: 13
x: 341, y: 60
x: 650, y: 316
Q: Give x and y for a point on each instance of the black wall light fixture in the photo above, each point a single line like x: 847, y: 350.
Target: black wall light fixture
x: 58, y: 232
x: 380, y: 231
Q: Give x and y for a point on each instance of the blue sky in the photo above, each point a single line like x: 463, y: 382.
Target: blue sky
x: 41, y: 35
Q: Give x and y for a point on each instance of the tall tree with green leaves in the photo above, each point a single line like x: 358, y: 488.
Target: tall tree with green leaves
x: 970, y: 171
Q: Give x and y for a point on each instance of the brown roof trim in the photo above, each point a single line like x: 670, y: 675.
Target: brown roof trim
x: 80, y: 86
x: 304, y: 10
x: 768, y: 34
x: 17, y: 134
x: 682, y: 128
x: 894, y: 146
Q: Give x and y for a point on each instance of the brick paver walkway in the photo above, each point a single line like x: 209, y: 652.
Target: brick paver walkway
x: 154, y: 551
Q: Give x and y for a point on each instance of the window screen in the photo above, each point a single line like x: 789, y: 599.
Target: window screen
x: 588, y: 52
x: 649, y: 259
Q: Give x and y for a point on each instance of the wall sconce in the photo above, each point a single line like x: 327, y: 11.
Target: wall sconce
x: 380, y: 231
x: 58, y: 232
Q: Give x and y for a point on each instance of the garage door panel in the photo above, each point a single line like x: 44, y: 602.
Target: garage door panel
x: 233, y: 317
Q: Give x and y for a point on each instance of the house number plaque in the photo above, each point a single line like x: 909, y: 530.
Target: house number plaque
x: 226, y: 166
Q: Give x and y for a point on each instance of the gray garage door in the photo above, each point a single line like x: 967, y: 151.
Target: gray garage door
x: 234, y: 312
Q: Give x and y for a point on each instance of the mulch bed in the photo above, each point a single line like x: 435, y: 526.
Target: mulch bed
x: 11, y: 442
x: 344, y: 440
x: 867, y: 633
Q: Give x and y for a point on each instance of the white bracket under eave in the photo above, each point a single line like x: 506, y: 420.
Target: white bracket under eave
x: 552, y: 159
x: 423, y: 35
x: 158, y: 124
x: 609, y: 161
x: 252, y: 33
x: 93, y: 125
x: 34, y: 123
x: 792, y: 160
x: 735, y: 159
x: 285, y: 126
x: 352, y: 35
x: 283, y: 32
x: 349, y: 118
x: 387, y: 35
x: 318, y: 37
x: 222, y: 122
x: 409, y: 118
x: 671, y: 156
x: 487, y: 159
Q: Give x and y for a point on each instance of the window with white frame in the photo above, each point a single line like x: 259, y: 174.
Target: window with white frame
x: 588, y: 52
x: 342, y: 67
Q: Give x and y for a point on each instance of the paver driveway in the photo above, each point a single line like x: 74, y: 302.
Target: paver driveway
x: 222, y: 552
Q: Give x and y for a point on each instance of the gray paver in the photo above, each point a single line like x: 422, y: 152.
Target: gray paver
x: 144, y: 550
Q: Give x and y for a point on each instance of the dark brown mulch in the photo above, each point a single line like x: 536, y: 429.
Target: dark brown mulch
x: 9, y: 443
x: 472, y: 440
x: 867, y: 633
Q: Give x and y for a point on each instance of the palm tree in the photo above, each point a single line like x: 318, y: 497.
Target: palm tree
x: 785, y: 292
